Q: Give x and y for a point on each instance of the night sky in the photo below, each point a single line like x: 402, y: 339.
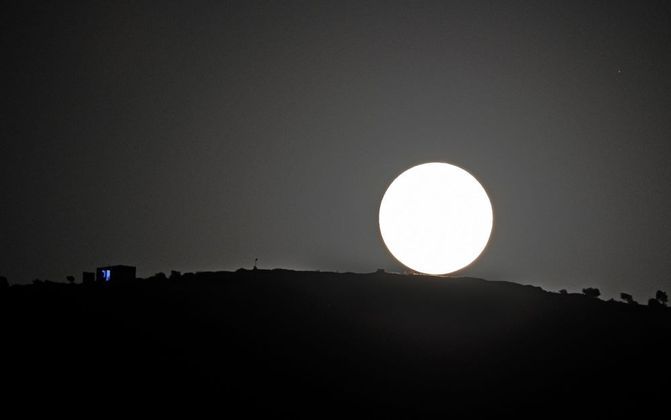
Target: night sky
x: 198, y: 136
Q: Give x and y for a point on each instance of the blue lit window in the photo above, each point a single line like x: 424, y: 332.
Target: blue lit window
x: 106, y: 275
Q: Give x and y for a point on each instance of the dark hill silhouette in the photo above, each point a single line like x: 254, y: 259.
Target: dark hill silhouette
x: 317, y: 343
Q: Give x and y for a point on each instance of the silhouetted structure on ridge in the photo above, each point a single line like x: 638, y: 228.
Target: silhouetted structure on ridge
x: 115, y: 274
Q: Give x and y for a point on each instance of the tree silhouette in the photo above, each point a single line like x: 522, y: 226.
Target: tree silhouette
x: 592, y: 292
x: 159, y: 276
x: 4, y: 283
x: 627, y: 298
x: 563, y: 292
x: 654, y: 303
x: 661, y: 297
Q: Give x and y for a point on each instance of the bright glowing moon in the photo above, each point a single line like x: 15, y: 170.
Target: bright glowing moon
x: 435, y: 218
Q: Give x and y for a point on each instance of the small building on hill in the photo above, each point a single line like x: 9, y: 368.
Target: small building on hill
x: 115, y: 274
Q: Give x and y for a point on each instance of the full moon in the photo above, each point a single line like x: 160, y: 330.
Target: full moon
x: 435, y: 218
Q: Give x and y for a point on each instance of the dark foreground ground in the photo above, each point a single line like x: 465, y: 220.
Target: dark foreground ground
x: 311, y: 343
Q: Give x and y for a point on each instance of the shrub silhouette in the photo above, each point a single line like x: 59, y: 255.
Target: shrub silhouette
x: 627, y: 298
x: 4, y: 284
x: 661, y: 297
x: 70, y: 279
x: 654, y: 303
x: 592, y: 292
x: 159, y: 276
x: 563, y: 292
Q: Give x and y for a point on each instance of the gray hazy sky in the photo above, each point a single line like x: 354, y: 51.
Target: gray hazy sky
x: 193, y: 136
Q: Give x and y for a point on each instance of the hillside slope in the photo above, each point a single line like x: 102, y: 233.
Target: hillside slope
x: 269, y: 341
